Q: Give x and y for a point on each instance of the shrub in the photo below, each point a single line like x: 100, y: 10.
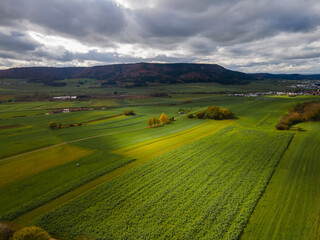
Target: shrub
x: 214, y: 112
x: 31, y: 233
x: 201, y: 114
x: 190, y: 115
x: 282, y: 126
x: 128, y: 112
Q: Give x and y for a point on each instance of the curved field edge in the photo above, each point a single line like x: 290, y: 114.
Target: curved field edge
x: 204, y: 189
x: 289, y: 208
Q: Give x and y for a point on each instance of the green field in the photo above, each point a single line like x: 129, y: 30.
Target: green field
x: 190, y: 179
x: 290, y: 207
x: 212, y: 182
x: 91, y: 86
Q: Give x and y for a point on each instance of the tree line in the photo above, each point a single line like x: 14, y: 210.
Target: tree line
x: 302, y: 112
x: 212, y: 112
x: 163, y: 119
x: 55, y: 125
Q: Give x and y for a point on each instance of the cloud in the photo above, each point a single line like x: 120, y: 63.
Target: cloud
x: 242, y: 35
x: 73, y: 18
x: 17, y: 41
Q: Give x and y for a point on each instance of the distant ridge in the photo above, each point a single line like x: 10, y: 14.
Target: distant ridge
x: 144, y: 74
x: 138, y: 74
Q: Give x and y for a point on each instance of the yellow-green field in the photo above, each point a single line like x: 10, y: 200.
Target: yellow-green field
x: 290, y: 207
x: 150, y: 149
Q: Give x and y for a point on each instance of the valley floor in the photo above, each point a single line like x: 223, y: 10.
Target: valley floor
x: 192, y: 179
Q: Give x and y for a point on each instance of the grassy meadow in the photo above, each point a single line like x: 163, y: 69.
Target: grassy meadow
x: 116, y: 178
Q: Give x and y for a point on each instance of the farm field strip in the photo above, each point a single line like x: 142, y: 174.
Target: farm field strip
x: 25, y: 166
x: 106, y: 119
x: 155, y: 147
x: 290, y: 208
x: 68, y: 142
x: 34, y: 194
x: 203, y: 189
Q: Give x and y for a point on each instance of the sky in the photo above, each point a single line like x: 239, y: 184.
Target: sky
x: 275, y: 36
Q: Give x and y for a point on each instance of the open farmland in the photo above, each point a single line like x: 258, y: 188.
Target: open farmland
x: 117, y: 121
x: 171, y: 168
x: 214, y: 182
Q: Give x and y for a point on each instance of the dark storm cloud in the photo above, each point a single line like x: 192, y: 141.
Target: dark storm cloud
x: 73, y: 17
x: 220, y: 21
x: 16, y: 41
x: 227, y: 22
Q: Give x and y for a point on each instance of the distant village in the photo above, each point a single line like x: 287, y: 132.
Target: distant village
x: 303, y: 88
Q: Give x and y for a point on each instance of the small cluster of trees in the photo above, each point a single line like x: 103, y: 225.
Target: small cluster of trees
x: 54, y: 125
x: 163, y: 119
x: 213, y: 112
x: 128, y: 112
x: 309, y: 111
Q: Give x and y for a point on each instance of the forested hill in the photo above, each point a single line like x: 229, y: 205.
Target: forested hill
x: 139, y: 74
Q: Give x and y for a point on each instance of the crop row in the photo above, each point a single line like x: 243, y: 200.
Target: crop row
x: 206, y: 189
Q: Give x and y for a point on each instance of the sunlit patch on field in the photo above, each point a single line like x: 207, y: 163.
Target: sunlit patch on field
x: 150, y: 149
